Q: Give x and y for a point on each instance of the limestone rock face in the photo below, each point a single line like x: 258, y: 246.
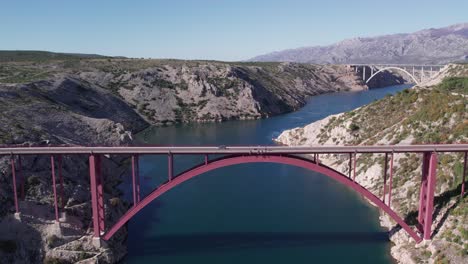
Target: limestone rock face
x: 172, y: 92
x: 138, y: 92
x: 59, y: 111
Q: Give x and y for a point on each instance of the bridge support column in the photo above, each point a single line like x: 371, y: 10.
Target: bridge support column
x: 62, y: 197
x: 21, y: 177
x: 385, y: 177
x: 390, y: 182
x: 100, y: 193
x: 422, y: 73
x: 138, y: 188
x: 54, y: 187
x: 464, y: 177
x: 13, y: 174
x: 354, y: 167
x: 426, y: 194
x: 350, y: 165
x: 135, y: 179
x: 170, y: 166
x: 97, y: 201
x: 364, y: 73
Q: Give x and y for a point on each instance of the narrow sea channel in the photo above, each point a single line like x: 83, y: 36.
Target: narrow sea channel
x: 255, y: 213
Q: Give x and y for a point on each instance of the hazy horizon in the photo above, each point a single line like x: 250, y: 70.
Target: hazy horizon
x: 209, y: 29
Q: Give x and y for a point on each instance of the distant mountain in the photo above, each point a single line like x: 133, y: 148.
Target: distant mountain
x: 433, y: 46
x: 36, y: 55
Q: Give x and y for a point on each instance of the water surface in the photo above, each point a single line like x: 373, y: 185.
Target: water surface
x: 254, y: 213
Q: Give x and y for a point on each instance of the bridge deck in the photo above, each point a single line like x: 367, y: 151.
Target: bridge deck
x: 233, y: 149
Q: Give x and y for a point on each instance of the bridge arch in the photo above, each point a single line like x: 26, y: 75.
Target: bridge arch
x: 392, y: 68
x: 241, y: 159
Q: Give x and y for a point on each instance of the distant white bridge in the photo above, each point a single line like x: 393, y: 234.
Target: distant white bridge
x: 418, y: 73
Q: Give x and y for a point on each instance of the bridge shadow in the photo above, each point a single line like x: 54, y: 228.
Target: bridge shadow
x: 191, y: 243
x: 440, y: 202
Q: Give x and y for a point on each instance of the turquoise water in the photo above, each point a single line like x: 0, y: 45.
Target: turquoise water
x: 254, y: 213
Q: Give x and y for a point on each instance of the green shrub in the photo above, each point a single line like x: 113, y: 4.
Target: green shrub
x: 33, y: 181
x: 455, y: 84
x: 115, y: 201
x: 52, y: 241
x: 353, y: 127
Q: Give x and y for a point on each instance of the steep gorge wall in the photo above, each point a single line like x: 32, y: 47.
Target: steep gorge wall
x: 57, y: 112
x: 164, y: 92
x: 168, y: 92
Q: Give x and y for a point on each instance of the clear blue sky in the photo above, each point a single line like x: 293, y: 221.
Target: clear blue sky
x: 210, y: 29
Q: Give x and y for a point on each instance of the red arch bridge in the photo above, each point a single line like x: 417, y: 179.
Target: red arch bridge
x: 231, y: 155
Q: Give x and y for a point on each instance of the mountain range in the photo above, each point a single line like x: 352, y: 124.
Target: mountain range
x: 428, y: 46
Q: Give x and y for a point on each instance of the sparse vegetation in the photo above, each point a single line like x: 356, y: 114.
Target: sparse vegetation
x: 455, y: 84
x: 435, y: 114
x: 271, y: 86
x: 50, y: 260
x: 115, y: 202
x: 52, y: 241
x: 353, y: 127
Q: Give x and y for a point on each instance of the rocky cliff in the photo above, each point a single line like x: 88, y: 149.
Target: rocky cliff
x: 55, y: 112
x: 435, y: 112
x: 172, y: 91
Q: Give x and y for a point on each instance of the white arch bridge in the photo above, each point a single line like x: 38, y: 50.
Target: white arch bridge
x: 418, y: 73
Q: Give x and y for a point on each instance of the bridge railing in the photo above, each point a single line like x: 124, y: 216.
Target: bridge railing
x: 95, y: 155
x: 321, y: 149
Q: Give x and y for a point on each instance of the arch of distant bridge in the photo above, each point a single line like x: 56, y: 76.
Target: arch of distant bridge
x: 392, y: 68
x: 242, y: 159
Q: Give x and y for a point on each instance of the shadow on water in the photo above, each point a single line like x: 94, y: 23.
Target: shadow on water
x: 209, y: 242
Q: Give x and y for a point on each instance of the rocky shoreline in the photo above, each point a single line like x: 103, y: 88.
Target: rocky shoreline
x: 359, y: 126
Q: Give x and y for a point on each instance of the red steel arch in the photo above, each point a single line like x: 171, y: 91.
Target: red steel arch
x: 281, y: 159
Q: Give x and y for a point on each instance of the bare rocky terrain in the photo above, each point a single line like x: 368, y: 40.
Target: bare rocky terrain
x: 171, y: 91
x: 56, y: 112
x: 433, y: 112
x: 428, y: 46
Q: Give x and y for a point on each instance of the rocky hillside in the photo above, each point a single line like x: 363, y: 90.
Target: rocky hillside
x: 171, y: 91
x: 429, y: 46
x: 55, y: 112
x: 430, y: 114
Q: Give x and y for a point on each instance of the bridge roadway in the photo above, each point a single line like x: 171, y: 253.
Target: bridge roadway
x: 237, y: 155
x: 319, y: 149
